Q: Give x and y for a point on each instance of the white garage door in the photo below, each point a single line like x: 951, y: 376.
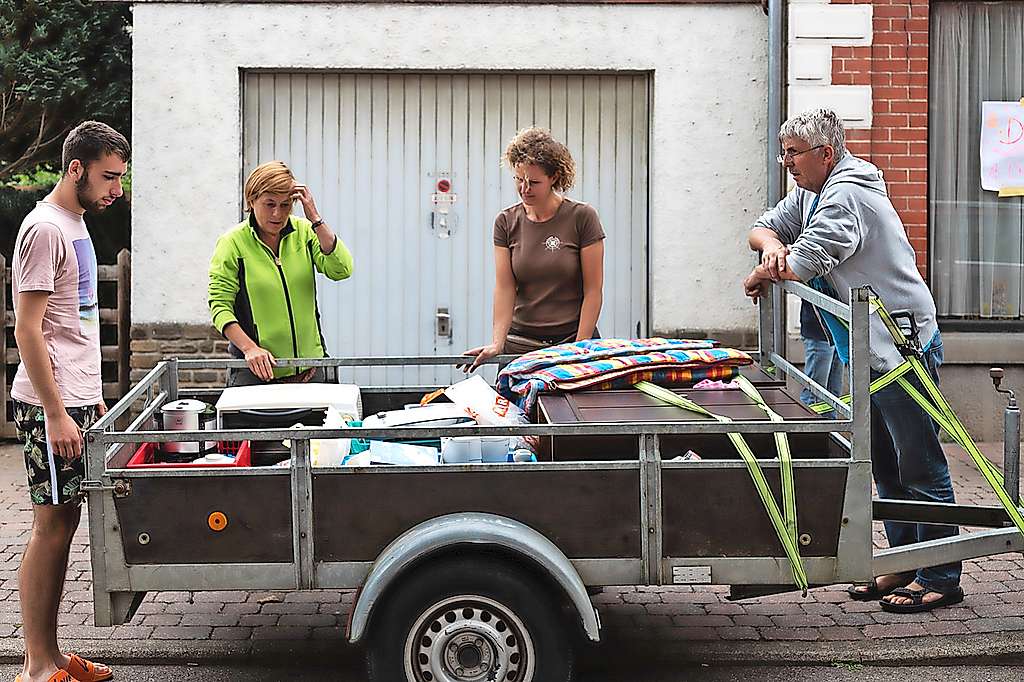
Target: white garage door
x: 373, y: 147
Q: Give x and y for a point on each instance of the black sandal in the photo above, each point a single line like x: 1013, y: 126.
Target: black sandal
x: 919, y: 605
x: 873, y: 593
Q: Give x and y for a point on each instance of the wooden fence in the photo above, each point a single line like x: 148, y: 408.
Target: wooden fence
x: 115, y: 312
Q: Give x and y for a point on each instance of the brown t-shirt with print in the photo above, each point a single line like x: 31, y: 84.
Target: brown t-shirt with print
x: 546, y: 265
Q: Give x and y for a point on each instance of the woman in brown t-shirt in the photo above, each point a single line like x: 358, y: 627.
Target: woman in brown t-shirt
x: 548, y: 254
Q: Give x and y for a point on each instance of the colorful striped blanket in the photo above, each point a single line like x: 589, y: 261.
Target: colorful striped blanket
x: 616, y: 363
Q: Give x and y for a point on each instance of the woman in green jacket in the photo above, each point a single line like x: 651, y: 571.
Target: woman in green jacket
x: 262, y: 290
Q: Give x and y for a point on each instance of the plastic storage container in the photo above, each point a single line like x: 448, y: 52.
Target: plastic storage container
x: 144, y: 459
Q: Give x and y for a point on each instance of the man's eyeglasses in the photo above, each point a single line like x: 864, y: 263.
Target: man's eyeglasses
x: 789, y: 156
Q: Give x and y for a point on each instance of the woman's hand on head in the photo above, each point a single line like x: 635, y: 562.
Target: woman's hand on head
x: 480, y: 354
x: 260, y: 362
x: 302, y: 193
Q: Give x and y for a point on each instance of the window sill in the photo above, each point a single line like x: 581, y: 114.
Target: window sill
x: 983, y: 348
x: 959, y: 348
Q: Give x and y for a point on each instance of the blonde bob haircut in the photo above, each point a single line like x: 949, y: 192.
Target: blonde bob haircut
x: 272, y: 177
x: 538, y: 147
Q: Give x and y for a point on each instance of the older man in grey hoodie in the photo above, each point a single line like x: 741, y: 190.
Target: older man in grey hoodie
x: 835, y: 231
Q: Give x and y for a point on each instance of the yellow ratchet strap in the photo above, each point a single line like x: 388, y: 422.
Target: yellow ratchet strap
x: 936, y: 405
x: 876, y: 385
x: 785, y: 456
x: 783, y: 526
x: 939, y: 409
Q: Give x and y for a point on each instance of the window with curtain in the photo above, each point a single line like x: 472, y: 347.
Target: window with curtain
x: 977, y: 55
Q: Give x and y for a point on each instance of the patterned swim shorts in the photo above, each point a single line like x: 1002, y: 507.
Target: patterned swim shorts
x: 52, y: 479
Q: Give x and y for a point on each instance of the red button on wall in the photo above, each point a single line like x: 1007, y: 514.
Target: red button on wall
x: 443, y: 185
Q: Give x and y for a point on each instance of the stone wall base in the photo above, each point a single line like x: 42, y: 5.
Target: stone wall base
x: 152, y: 343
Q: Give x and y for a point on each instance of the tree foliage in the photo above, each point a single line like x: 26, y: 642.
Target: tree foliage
x: 61, y: 62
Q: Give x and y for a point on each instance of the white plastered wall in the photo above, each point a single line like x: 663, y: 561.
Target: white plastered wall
x: 708, y: 132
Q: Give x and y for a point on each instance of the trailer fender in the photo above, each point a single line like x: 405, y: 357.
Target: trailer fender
x: 478, y: 529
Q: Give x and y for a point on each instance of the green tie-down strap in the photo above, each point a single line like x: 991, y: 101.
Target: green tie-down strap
x: 785, y: 527
x: 876, y: 385
x: 937, y: 407
x: 785, y: 456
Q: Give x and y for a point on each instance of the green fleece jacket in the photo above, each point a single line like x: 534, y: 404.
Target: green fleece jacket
x: 273, y: 298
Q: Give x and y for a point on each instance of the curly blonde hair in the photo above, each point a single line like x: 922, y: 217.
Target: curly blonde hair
x: 273, y: 177
x: 536, y: 146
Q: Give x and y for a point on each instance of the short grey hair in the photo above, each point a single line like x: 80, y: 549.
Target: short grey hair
x: 817, y: 127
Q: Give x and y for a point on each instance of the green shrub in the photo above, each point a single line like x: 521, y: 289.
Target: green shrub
x: 42, y: 176
x: 61, y: 62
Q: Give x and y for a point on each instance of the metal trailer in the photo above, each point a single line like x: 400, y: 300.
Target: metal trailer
x: 480, y: 571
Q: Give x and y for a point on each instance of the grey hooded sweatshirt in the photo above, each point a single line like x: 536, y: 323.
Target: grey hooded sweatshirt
x: 855, y: 237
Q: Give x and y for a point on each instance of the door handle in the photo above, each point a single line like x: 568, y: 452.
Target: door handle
x: 444, y: 323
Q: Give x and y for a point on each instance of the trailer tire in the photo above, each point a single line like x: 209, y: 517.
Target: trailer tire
x: 463, y: 617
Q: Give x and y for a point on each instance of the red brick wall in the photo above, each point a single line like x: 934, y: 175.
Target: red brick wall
x: 895, y: 65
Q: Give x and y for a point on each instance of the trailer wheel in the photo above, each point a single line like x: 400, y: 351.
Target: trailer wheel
x: 469, y: 618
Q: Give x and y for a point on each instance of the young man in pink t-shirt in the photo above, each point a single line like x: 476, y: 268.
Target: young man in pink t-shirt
x: 58, y: 390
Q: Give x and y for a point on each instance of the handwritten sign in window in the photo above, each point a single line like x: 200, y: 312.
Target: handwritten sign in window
x: 1002, y: 145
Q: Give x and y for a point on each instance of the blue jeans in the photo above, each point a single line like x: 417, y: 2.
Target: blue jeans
x: 822, y: 364
x: 907, y: 463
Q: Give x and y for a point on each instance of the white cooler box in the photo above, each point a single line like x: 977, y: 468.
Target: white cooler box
x: 281, y: 405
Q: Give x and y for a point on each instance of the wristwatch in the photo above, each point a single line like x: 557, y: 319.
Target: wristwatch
x: 317, y: 223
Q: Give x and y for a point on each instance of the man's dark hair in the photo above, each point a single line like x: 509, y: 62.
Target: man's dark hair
x: 91, y: 141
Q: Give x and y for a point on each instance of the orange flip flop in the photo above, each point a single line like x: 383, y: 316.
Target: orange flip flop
x: 59, y: 676
x: 82, y: 670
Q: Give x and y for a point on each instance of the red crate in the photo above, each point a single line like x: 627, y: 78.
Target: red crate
x: 143, y: 459
x: 229, y: 447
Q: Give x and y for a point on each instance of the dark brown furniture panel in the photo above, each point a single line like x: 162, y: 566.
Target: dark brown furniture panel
x: 760, y: 378
x: 612, y: 448
x: 718, y: 513
x: 174, y: 513
x: 630, y: 406
x: 587, y: 514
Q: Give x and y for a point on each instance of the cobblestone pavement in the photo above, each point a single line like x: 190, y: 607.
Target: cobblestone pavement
x: 657, y: 617
x: 840, y: 673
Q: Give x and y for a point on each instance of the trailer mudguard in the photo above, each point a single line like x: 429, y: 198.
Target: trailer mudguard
x: 478, y: 529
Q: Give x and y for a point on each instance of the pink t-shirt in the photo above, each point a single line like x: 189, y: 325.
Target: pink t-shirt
x: 53, y: 253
